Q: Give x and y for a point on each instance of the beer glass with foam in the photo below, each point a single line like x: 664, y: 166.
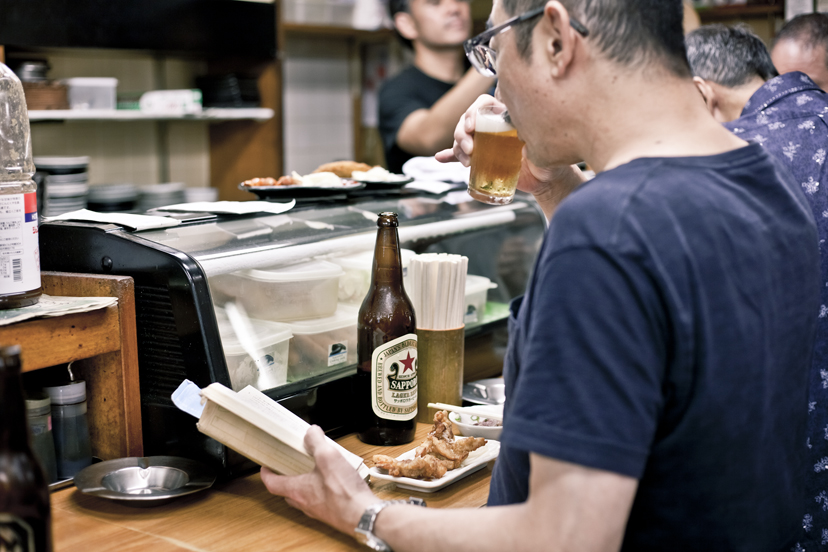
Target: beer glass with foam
x: 496, y: 158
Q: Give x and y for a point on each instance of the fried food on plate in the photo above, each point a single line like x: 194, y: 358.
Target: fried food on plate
x: 427, y: 467
x: 343, y: 169
x: 270, y: 181
x: 439, y: 453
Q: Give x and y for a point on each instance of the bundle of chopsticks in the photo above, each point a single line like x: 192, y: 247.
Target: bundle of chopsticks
x: 437, y: 288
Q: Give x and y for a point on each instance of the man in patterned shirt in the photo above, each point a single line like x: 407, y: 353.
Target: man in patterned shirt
x: 786, y: 115
x: 802, y: 45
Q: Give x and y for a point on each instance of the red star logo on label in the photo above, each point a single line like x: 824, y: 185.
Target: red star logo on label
x: 408, y: 362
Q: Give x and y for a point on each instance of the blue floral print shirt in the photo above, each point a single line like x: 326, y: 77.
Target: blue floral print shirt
x: 787, y: 116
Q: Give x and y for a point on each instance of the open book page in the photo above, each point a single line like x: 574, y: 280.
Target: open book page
x: 253, y: 424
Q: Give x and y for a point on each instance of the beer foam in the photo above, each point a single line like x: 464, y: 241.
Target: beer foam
x: 490, y: 122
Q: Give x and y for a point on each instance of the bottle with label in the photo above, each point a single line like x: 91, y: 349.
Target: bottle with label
x: 25, y: 515
x: 386, y: 348
x: 19, y: 252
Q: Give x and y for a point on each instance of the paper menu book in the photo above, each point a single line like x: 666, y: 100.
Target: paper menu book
x: 256, y: 426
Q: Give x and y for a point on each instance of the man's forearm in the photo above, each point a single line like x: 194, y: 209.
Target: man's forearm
x: 427, y: 131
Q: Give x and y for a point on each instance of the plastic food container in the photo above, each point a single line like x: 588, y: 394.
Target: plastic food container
x: 323, y: 344
x: 322, y: 12
x: 477, y: 288
x: 296, y: 292
x: 354, y: 283
x: 92, y: 92
x: 269, y: 340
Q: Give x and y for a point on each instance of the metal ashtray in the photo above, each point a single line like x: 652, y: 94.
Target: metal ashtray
x: 147, y: 481
x: 485, y: 391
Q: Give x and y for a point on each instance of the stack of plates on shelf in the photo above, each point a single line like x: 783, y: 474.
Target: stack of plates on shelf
x: 160, y: 195
x: 64, y: 184
x: 113, y: 198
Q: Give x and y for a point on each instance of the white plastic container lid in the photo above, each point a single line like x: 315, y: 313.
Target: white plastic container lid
x: 364, y: 260
x: 344, y: 317
x: 61, y: 162
x: 108, y: 82
x: 265, y: 333
x: 314, y: 270
x: 475, y: 284
x: 70, y: 393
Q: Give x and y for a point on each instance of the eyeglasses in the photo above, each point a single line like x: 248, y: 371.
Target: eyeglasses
x: 484, y: 59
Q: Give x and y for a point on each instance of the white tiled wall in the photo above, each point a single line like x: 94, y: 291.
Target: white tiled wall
x: 128, y: 152
x: 318, y: 109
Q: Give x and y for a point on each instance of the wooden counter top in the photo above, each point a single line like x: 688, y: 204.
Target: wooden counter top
x: 231, y: 516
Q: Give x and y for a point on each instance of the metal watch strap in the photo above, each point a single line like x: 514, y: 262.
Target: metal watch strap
x: 364, y: 532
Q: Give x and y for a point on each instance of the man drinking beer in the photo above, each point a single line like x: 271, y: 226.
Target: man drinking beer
x: 657, y: 361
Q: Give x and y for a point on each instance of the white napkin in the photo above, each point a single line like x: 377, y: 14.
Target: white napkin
x: 431, y: 186
x: 428, y: 168
x: 231, y: 207
x: 136, y: 222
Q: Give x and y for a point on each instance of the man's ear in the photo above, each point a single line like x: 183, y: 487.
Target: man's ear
x: 405, y: 25
x: 708, y: 94
x: 559, y: 38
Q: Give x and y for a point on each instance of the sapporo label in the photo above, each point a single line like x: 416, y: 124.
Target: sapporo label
x: 394, y: 379
x: 15, y: 534
x: 19, y: 253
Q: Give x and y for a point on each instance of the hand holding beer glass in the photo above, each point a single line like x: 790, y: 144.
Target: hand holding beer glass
x: 496, y: 157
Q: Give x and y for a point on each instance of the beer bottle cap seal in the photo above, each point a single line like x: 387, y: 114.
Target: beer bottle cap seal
x: 386, y: 219
x: 70, y: 393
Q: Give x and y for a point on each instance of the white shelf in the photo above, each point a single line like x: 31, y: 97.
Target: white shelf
x: 208, y: 114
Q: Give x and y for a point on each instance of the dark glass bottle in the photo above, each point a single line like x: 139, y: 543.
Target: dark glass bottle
x: 25, y: 515
x: 386, y: 348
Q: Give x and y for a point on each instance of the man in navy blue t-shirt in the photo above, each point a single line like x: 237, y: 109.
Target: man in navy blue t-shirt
x: 659, y: 360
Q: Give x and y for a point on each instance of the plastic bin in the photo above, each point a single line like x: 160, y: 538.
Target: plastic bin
x: 477, y: 289
x: 92, y: 92
x: 296, y: 292
x: 320, y: 12
x: 323, y: 344
x: 354, y: 283
x: 271, y: 339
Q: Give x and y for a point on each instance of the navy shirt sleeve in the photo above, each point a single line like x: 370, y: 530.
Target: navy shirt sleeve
x: 592, y: 364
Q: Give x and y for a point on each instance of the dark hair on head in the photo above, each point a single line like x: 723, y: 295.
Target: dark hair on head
x: 729, y: 56
x: 395, y: 7
x: 634, y: 33
x: 810, y: 29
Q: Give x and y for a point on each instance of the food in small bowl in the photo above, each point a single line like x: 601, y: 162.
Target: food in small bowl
x: 473, y: 425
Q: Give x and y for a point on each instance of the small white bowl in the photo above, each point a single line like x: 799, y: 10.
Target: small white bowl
x: 464, y: 423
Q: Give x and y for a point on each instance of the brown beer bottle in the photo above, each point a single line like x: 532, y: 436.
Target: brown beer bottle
x: 387, y: 348
x: 25, y: 516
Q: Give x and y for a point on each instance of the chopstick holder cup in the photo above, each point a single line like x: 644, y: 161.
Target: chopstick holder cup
x: 439, y: 370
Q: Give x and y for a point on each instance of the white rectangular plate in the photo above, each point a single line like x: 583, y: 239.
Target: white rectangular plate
x: 475, y: 461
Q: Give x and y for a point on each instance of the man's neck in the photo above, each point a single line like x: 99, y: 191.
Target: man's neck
x: 648, y: 115
x: 445, y: 64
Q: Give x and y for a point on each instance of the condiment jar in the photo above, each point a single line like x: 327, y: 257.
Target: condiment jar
x: 20, y: 255
x: 39, y: 416
x: 71, y: 428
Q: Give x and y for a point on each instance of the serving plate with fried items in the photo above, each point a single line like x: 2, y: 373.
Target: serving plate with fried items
x: 315, y: 185
x: 441, y: 459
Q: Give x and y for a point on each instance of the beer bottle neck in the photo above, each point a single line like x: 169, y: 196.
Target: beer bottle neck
x: 13, y: 429
x: 387, y: 270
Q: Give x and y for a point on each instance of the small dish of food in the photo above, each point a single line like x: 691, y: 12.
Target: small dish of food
x: 478, y: 425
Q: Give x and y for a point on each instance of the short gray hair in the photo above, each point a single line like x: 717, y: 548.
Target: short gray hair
x: 633, y: 33
x: 729, y: 56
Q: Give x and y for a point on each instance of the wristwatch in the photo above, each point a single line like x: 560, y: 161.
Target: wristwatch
x: 364, y: 532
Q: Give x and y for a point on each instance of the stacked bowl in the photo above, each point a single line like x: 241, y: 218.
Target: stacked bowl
x: 63, y: 184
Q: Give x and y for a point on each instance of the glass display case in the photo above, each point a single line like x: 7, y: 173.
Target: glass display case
x: 272, y: 300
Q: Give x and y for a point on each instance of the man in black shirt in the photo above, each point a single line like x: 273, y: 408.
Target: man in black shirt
x: 420, y: 107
